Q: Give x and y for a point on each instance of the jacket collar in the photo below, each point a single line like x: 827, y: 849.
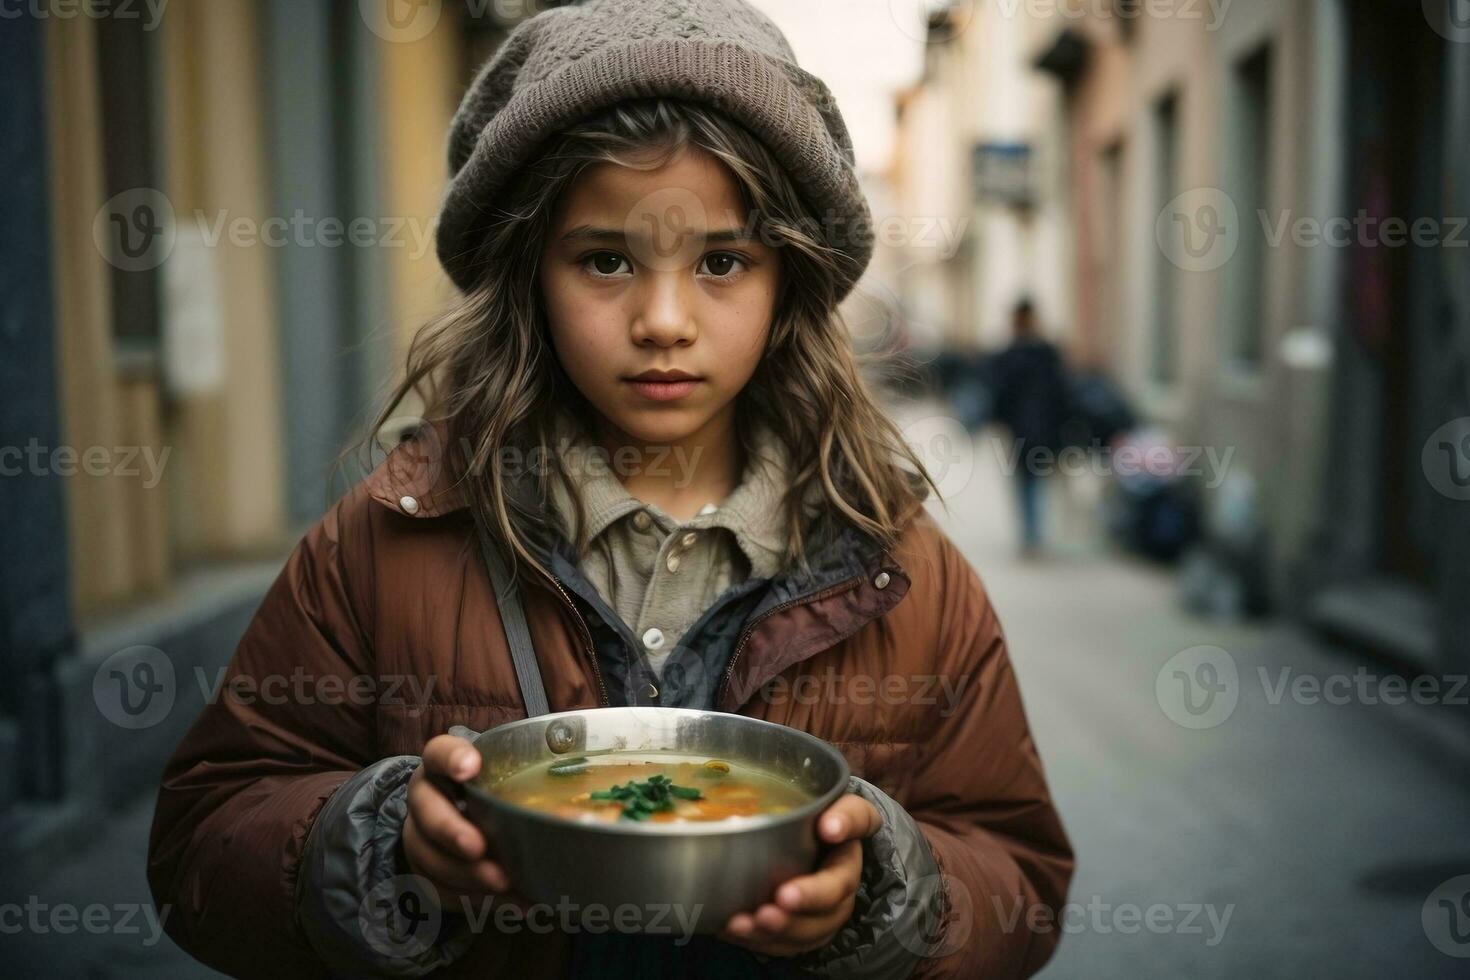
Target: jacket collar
x: 417, y: 480
x: 752, y: 512
x: 803, y: 611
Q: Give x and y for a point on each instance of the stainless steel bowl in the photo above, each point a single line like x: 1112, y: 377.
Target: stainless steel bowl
x: 682, y: 878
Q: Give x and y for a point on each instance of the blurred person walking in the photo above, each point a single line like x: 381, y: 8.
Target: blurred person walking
x: 1030, y: 383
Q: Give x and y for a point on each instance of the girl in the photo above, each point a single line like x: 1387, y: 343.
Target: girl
x: 649, y: 407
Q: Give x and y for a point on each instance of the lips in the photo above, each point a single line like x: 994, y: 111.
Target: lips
x: 664, y: 376
x: 663, y: 386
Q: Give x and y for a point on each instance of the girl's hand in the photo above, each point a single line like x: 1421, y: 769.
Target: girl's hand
x: 811, y: 909
x: 439, y: 843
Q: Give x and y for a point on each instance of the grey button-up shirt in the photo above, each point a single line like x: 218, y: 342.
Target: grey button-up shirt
x: 660, y: 574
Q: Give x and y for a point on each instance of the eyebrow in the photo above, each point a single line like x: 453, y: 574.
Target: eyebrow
x: 589, y: 233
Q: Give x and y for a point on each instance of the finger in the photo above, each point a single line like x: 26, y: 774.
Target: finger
x: 440, y: 821
x: 772, y: 920
x: 762, y: 924
x: 741, y: 925
x: 802, y: 930
x: 448, y: 870
x: 451, y: 756
x: 849, y: 818
x: 742, y: 931
x: 800, y: 934
x: 829, y: 886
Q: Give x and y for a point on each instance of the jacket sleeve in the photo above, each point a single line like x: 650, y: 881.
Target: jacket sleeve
x: 980, y: 798
x: 292, y: 722
x: 895, y: 901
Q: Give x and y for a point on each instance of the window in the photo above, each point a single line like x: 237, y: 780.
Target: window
x: 125, y: 70
x: 1245, y: 297
x: 1164, y: 349
x: 1108, y: 247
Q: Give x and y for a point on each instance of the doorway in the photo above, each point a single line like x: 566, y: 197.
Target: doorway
x: 1393, y: 284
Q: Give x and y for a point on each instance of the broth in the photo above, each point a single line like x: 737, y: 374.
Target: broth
x: 655, y: 788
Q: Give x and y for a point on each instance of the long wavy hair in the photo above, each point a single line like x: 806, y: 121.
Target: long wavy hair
x: 489, y: 375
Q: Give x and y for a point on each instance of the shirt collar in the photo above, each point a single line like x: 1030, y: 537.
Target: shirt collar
x: 416, y: 482
x: 752, y: 513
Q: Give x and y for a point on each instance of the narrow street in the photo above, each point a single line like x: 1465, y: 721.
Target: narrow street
x: 1289, y: 840
x: 1320, y: 829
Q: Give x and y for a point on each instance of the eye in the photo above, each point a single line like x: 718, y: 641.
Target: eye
x: 606, y: 265
x: 722, y: 265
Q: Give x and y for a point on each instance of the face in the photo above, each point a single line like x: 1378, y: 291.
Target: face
x: 659, y: 305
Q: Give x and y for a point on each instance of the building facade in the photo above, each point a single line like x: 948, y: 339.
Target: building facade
x: 230, y: 242
x: 1264, y: 202
x: 976, y: 162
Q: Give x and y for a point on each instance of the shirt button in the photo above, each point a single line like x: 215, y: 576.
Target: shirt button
x: 653, y: 638
x: 689, y: 539
x: 882, y: 580
x: 410, y: 505
x: 642, y: 521
x: 672, y: 562
x: 707, y: 510
x: 649, y: 691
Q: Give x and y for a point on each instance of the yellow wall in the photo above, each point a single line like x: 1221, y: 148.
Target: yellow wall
x: 221, y: 492
x: 117, y: 543
x: 228, y: 440
x: 420, y: 87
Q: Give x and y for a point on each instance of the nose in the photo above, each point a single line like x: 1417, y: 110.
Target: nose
x: 665, y: 315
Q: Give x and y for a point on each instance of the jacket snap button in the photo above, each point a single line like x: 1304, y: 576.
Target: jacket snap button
x: 409, y: 505
x: 882, y: 580
x: 649, y: 691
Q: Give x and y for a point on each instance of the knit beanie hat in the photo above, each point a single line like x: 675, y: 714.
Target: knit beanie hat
x: 568, y: 63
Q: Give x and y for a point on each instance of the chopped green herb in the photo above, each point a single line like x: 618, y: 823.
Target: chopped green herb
x: 642, y: 799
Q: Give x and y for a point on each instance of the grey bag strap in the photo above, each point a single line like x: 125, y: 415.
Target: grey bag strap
x: 517, y: 633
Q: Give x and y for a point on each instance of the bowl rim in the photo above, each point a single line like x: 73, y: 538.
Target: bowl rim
x: 713, y: 828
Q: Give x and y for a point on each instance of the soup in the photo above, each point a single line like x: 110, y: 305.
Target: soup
x: 658, y: 788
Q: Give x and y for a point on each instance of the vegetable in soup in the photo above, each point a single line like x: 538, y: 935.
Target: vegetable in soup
x: 656, y: 788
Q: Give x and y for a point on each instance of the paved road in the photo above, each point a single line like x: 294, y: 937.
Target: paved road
x: 1287, y: 840
x: 1321, y: 829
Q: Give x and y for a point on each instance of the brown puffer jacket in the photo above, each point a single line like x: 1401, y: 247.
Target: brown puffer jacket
x: 383, y: 629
